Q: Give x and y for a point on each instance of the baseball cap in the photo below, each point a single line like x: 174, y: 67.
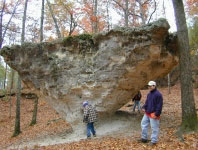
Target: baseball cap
x: 151, y: 83
x: 85, y: 103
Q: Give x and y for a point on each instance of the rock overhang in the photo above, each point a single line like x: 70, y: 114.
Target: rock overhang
x: 106, y: 69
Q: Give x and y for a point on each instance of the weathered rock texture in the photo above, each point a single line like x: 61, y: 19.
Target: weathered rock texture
x: 175, y: 74
x: 174, y: 78
x: 106, y: 69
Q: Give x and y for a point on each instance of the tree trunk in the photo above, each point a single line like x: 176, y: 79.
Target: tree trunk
x: 155, y: 6
x: 54, y: 18
x: 169, y: 90
x: 11, y: 87
x: 125, y: 9
x: 164, y: 13
x: 5, y: 77
x: 126, y: 13
x: 17, y: 129
x: 164, y: 10
x: 189, y: 116
x: 141, y: 12
x: 70, y: 25
x: 23, y: 23
x: 108, y: 17
x: 95, y: 15
x: 4, y: 83
x: 35, y: 111
x: 1, y: 23
x: 7, y: 25
x: 33, y: 122
x: 73, y: 24
x: 42, y: 19
x: 17, y: 121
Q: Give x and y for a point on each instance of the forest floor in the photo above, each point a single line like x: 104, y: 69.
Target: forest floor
x: 52, y: 132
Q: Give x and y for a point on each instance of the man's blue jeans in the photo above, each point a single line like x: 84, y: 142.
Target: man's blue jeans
x: 154, y: 127
x: 90, y: 128
x: 137, y: 103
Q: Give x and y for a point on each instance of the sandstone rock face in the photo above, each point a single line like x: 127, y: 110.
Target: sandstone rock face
x: 106, y: 70
x: 175, y: 74
x: 174, y: 78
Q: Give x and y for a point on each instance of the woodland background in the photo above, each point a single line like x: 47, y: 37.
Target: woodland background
x: 60, y: 18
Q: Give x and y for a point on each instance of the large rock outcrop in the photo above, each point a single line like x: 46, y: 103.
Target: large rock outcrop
x: 106, y: 69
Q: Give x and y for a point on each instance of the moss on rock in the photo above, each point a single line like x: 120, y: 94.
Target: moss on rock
x: 67, y: 41
x: 80, y: 43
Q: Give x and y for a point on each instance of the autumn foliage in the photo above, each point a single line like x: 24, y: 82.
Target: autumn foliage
x: 192, y: 6
x: 76, y: 17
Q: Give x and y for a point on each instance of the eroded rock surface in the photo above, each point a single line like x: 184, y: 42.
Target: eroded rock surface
x: 106, y: 69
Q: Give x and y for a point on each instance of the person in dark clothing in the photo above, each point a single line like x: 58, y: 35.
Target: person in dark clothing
x: 136, y: 99
x: 89, y: 117
x: 152, y: 109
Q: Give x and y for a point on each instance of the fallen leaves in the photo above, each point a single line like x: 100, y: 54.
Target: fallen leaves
x: 49, y: 122
x: 45, y: 114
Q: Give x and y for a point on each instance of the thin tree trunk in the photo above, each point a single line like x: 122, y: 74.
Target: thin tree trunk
x: 155, y: 6
x: 33, y: 122
x: 13, y: 12
x: 11, y: 87
x: 1, y: 23
x: 108, y: 17
x: 42, y: 19
x: 17, y: 121
x: 141, y: 12
x: 23, y: 23
x: 73, y: 24
x: 125, y: 10
x: 35, y: 111
x: 189, y: 116
x: 54, y: 18
x: 164, y: 10
x: 169, y: 89
x: 164, y: 13
x: 5, y: 77
x: 126, y: 14
x: 95, y: 15
x: 4, y: 83
x: 17, y: 129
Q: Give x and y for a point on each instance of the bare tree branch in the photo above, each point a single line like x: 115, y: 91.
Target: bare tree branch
x: 13, y: 12
x: 134, y: 14
x: 141, y: 11
x: 120, y: 5
x: 1, y: 23
x: 72, y: 23
x: 145, y: 2
x: 152, y: 12
x: 55, y: 21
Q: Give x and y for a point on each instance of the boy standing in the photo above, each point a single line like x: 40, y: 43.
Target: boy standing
x: 89, y: 117
x: 136, y: 100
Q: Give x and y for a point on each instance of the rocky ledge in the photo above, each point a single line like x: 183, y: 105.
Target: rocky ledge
x: 106, y: 69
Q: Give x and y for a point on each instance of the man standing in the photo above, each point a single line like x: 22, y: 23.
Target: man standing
x: 152, y: 109
x: 89, y: 117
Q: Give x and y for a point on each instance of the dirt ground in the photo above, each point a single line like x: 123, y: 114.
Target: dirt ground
x: 117, y: 133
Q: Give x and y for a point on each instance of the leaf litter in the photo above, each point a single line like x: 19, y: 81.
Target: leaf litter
x: 50, y: 123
